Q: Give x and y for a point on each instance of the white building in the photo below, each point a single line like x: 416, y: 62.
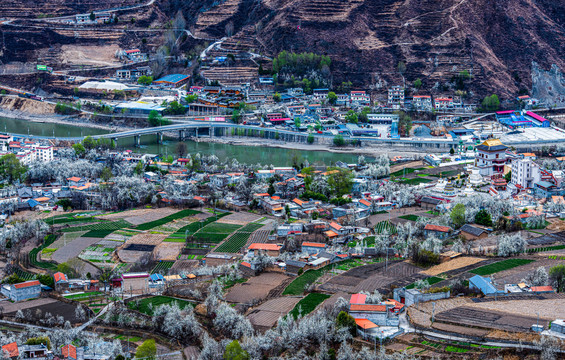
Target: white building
x: 525, y: 173
x: 396, y: 97
x: 43, y: 153
x: 422, y: 102
x: 382, y: 118
x: 360, y: 97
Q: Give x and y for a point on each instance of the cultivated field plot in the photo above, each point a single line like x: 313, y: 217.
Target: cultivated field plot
x: 54, y: 307
x: 516, y: 274
x: 308, y: 304
x: 235, y: 242
x: 133, y: 253
x: 548, y: 309
x: 374, y: 277
x: 489, y: 319
x: 500, y: 266
x: 73, y: 248
x: 215, y: 232
x: 168, y: 251
x: 454, y: 264
x: 183, y: 265
x: 162, y: 267
x: 422, y: 314
x: 167, y: 219
x: 10, y: 307
x: 259, y: 237
x: 63, y: 240
x: 140, y: 216
x: 101, y: 252
x: 99, y: 230
x: 255, y: 288
x: 70, y: 218
x: 267, y: 314
x: 239, y: 218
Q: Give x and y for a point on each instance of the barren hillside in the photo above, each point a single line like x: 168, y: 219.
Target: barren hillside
x: 495, y: 40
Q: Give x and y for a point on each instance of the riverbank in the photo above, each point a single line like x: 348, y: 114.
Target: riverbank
x: 371, y: 151
x: 84, y: 122
x: 70, y: 120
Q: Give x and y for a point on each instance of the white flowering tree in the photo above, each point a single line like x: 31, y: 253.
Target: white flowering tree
x: 538, y: 277
x: 512, y: 244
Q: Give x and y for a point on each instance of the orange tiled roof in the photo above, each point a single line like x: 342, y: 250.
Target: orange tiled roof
x: 260, y: 246
x: 11, y: 349
x: 27, y: 284
x: 69, y: 351
x: 59, y: 276
x: 437, y: 228
x: 367, y: 307
x: 335, y: 225
x: 365, y: 324
x: 313, y: 244
x: 330, y: 234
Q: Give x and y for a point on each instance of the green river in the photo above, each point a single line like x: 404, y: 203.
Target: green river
x: 243, y: 154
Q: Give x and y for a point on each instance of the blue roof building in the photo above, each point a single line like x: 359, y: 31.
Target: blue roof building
x: 484, y: 285
x: 172, y: 80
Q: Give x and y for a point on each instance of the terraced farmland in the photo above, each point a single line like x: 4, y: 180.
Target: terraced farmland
x: 162, y: 267
x: 215, y: 232
x: 99, y: 229
x: 180, y: 234
x: 239, y: 239
x: 178, y: 215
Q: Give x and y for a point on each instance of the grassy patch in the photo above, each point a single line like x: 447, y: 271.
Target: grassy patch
x: 455, y: 349
x: 82, y: 296
x: 178, y: 215
x: 500, y: 266
x: 410, y: 217
x: 308, y: 304
x: 405, y: 171
x: 415, y: 181
x: 143, y: 304
x: 296, y: 287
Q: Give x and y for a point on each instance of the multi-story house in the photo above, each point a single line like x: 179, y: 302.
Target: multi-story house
x: 422, y: 102
x: 360, y: 97
x: 443, y: 103
x: 396, y: 97
x: 525, y: 173
x: 22, y: 291
x: 491, y: 157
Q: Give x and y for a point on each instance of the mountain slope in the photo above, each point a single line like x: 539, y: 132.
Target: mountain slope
x: 494, y: 40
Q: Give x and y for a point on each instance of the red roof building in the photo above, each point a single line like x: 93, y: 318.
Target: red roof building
x: 69, y: 351
x: 10, y: 350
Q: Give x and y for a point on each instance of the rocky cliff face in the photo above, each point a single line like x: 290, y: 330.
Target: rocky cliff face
x: 496, y: 41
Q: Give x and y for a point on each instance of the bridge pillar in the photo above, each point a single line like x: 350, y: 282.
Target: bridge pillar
x: 137, y: 140
x: 160, y: 138
x: 211, y: 131
x: 196, y: 131
x: 181, y: 135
